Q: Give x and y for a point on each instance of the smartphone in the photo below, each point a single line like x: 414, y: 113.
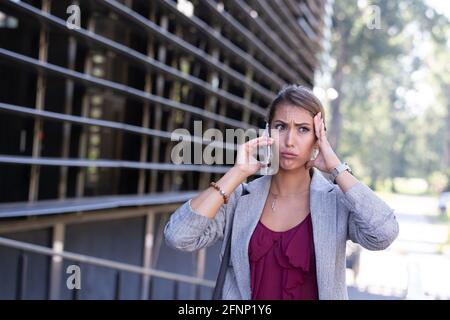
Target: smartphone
x: 268, y: 148
x: 269, y: 154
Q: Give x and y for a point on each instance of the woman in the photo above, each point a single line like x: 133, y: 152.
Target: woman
x: 290, y: 229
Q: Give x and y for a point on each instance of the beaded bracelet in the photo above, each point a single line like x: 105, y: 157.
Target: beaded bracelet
x: 224, y: 195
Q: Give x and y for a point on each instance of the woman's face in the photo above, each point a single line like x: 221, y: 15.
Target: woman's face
x: 296, y: 137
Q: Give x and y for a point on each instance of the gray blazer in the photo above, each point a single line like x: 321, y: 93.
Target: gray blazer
x: 358, y: 215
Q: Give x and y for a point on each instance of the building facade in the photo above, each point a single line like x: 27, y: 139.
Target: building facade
x: 90, y: 93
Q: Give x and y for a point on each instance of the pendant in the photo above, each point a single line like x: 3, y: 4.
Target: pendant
x: 273, y: 202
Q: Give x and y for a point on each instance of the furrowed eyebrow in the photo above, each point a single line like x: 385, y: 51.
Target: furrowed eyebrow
x: 296, y: 124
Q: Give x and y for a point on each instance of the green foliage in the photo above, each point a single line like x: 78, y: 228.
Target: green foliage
x: 412, y: 186
x: 394, y: 93
x: 438, y: 182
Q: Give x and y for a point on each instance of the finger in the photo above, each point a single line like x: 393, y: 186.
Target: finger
x: 323, y: 134
x: 249, y: 145
x: 318, y: 121
x: 252, y: 145
x: 320, y: 131
x: 317, y: 127
x: 322, y: 127
x: 259, y: 145
x: 261, y: 141
x: 323, y: 123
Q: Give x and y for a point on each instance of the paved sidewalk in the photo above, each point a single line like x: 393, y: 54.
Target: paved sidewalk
x: 413, y: 267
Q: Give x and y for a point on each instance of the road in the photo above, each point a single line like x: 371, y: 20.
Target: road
x: 414, y: 266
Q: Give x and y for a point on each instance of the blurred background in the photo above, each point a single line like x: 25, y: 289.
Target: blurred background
x: 388, y: 92
x: 90, y: 92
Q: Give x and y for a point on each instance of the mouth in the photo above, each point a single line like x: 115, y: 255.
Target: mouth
x: 288, y: 155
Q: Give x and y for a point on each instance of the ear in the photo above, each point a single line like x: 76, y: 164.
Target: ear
x: 315, y: 150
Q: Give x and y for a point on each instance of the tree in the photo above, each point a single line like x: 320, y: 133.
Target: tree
x: 375, y: 76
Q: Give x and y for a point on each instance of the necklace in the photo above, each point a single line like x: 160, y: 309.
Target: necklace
x: 276, y: 196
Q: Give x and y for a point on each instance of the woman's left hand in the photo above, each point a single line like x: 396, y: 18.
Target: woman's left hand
x: 326, y: 159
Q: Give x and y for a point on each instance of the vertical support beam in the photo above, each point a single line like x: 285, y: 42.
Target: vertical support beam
x: 160, y: 82
x: 175, y: 95
x: 195, y: 66
x: 158, y: 238
x: 33, y: 190
x: 223, y: 104
x: 81, y: 176
x: 147, y: 255
x: 146, y: 110
x: 211, y: 105
x: 118, y: 285
x: 116, y: 172
x: 21, y: 281
x: 200, y: 268
x: 56, y: 266
x: 225, y: 87
x: 67, y: 127
x: 248, y: 75
x: 82, y: 146
x: 248, y: 91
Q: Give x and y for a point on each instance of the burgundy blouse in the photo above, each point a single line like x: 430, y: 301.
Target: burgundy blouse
x: 282, y: 264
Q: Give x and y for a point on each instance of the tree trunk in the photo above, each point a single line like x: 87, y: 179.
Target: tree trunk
x: 338, y: 79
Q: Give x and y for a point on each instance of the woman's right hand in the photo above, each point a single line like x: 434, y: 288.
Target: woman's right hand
x: 246, y: 163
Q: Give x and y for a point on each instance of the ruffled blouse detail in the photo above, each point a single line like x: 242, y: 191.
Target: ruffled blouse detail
x: 282, y: 264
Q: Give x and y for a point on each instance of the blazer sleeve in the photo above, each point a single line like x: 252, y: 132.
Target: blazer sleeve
x: 371, y: 222
x: 188, y: 230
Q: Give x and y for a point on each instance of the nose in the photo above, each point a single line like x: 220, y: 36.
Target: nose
x: 289, y: 140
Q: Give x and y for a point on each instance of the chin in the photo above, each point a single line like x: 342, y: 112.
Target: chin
x: 291, y: 165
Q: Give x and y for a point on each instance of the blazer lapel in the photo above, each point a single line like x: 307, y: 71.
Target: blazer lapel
x: 323, y: 214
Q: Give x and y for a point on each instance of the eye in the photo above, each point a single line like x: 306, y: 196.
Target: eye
x: 279, y: 126
x: 303, y: 129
